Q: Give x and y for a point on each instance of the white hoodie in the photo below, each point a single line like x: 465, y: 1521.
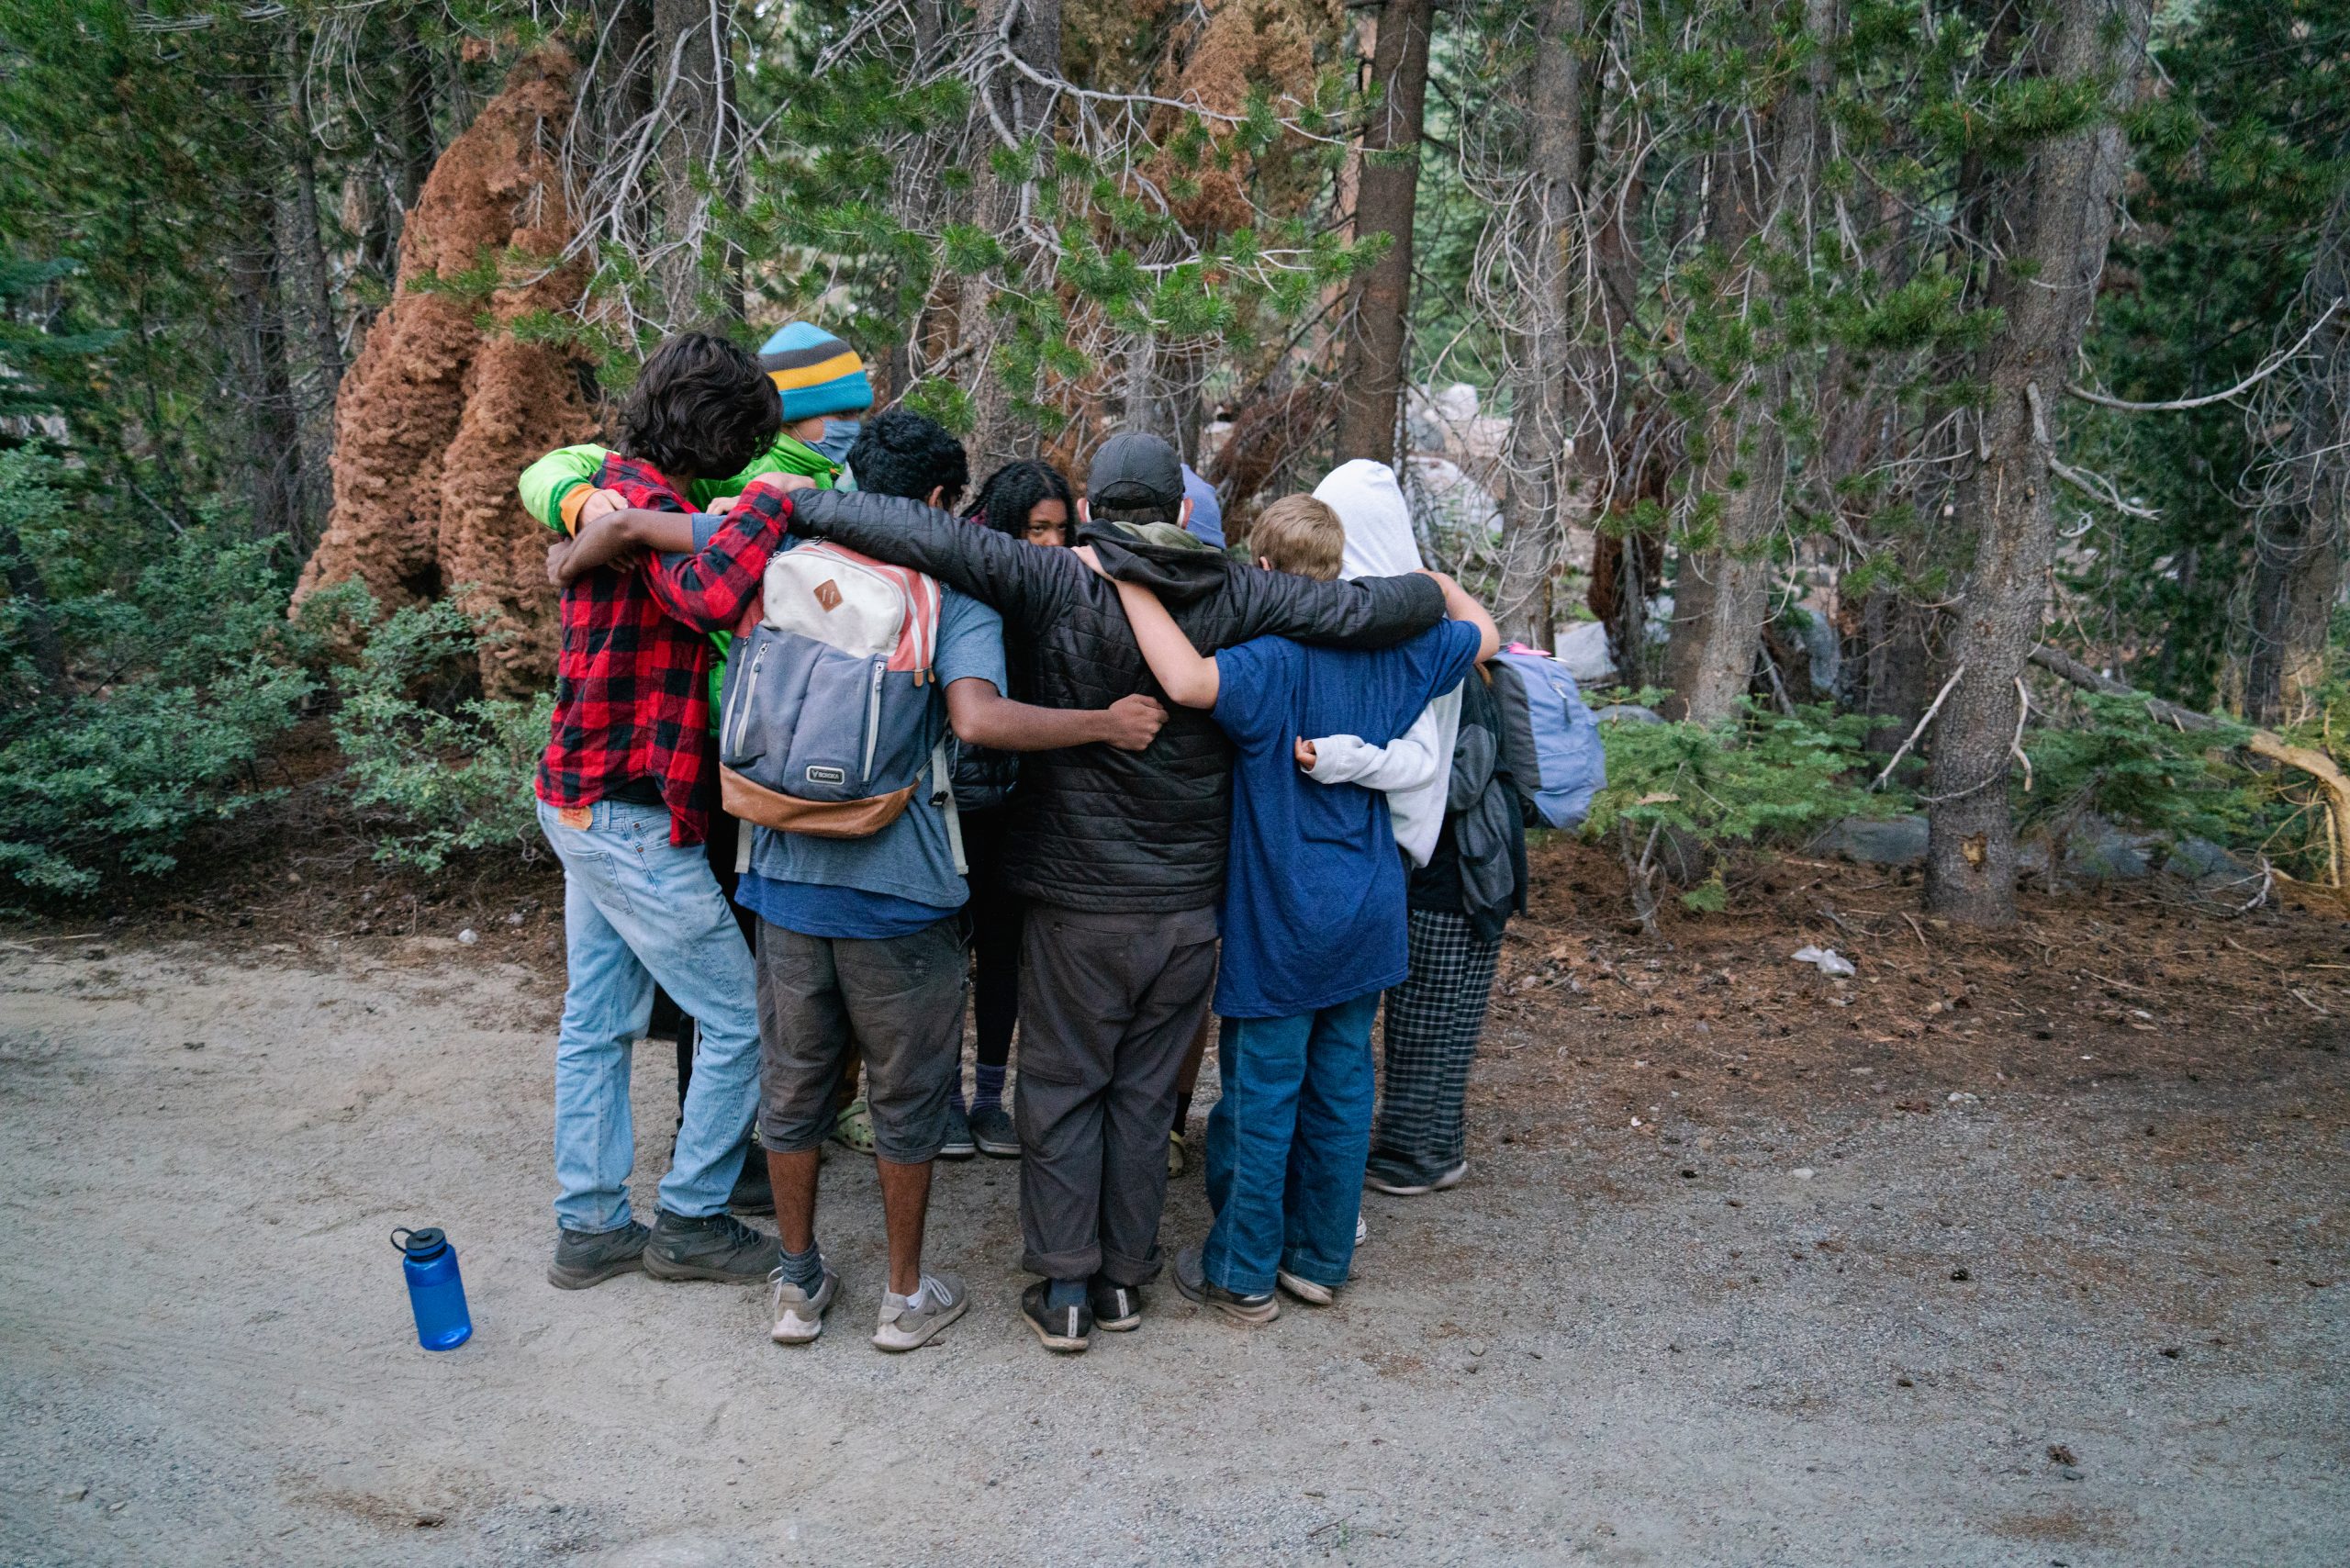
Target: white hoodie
x: 1415, y: 770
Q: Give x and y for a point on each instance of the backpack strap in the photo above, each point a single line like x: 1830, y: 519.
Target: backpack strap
x: 941, y: 779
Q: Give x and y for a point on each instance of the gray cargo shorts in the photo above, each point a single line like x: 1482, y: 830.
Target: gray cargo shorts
x: 899, y: 997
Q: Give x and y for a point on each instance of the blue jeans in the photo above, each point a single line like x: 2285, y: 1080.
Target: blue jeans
x: 1286, y: 1146
x: 637, y: 909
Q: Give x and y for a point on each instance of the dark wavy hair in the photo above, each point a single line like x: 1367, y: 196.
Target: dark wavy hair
x: 906, y: 453
x: 702, y: 408
x: 1013, y: 491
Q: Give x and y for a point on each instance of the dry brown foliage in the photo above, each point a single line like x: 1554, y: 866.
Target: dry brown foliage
x: 442, y: 409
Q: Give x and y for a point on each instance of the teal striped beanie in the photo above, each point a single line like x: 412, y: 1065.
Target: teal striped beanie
x: 814, y: 373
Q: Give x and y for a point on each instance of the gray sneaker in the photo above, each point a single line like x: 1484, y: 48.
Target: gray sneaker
x: 944, y: 1299
x: 798, y: 1316
x: 719, y: 1247
x: 958, y: 1143
x: 1191, y: 1278
x: 991, y: 1130
x: 589, y: 1258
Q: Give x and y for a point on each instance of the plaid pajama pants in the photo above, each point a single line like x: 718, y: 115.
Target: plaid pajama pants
x: 1434, y: 1020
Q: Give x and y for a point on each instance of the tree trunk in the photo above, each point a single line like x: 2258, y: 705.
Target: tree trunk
x: 2058, y: 215
x: 273, y: 456
x: 305, y: 243
x: 692, y: 55
x: 2304, y: 524
x: 1542, y: 231
x: 999, y: 432
x: 1722, y: 594
x: 1370, y: 382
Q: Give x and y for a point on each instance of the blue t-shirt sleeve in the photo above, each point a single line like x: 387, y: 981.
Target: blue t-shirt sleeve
x: 970, y: 642
x: 1253, y: 684
x: 1426, y: 668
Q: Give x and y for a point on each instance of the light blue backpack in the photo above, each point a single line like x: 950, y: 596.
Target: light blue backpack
x: 1548, y: 738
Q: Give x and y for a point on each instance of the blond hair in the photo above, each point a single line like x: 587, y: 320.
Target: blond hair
x: 1300, y: 535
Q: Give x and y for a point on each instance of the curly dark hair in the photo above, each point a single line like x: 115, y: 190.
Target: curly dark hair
x: 702, y: 408
x: 906, y: 453
x: 1013, y: 491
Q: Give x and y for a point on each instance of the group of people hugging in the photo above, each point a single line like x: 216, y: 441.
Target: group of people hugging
x: 1187, y: 791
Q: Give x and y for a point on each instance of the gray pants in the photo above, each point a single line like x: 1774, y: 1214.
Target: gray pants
x: 1108, y: 1006
x: 900, y: 998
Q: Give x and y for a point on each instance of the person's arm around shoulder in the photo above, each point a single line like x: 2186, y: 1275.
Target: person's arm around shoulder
x: 1459, y: 606
x: 1181, y: 670
x: 553, y: 487
x: 1408, y: 762
x: 611, y: 536
x: 709, y: 590
x: 1369, y: 612
x: 1031, y: 586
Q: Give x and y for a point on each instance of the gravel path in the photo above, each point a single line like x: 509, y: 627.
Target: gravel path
x: 2025, y: 1331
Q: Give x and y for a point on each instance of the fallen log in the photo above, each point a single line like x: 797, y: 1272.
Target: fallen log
x: 2267, y: 744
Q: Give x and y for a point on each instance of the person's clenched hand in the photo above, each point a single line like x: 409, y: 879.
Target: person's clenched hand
x: 1133, y: 721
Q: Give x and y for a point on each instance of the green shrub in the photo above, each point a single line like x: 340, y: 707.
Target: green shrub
x: 452, y: 773
x: 2120, y: 762
x: 163, y: 679
x: 1686, y: 793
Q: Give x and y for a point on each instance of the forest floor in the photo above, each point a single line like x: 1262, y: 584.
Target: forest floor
x: 2027, y: 1249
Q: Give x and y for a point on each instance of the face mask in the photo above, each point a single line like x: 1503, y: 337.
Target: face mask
x: 839, y: 436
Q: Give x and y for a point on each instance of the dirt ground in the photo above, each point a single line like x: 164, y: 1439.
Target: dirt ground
x: 2020, y: 1249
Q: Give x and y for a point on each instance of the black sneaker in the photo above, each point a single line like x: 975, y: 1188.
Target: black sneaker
x: 719, y: 1247
x: 991, y: 1130
x: 1191, y: 1278
x: 1068, y: 1329
x: 752, y: 1193
x: 584, y: 1258
x: 1116, y: 1308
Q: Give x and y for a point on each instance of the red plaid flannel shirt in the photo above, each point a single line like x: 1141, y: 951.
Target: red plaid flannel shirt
x: 632, y: 684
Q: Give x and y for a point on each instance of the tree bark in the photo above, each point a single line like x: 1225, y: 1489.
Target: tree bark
x: 692, y: 56
x: 1542, y: 231
x: 2304, y: 526
x: 2058, y: 214
x: 273, y: 456
x: 1722, y: 594
x: 998, y: 432
x: 1370, y: 382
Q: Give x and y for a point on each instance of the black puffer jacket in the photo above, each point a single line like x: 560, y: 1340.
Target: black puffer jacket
x: 1095, y: 827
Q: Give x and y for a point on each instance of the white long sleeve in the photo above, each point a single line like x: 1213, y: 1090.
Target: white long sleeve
x: 1411, y: 772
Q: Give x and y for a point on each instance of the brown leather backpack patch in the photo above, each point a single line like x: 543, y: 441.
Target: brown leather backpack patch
x: 828, y: 594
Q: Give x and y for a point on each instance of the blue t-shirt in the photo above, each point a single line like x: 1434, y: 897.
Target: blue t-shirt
x: 1314, y: 889
x: 901, y: 879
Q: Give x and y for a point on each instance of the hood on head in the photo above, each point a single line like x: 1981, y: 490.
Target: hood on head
x: 1369, y: 503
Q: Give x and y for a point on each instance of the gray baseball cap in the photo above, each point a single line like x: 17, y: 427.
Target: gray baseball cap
x: 1135, y: 470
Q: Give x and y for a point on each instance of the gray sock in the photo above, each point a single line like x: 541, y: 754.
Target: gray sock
x: 805, y: 1270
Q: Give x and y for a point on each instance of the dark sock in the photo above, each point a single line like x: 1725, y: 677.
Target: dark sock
x: 1182, y: 1112
x: 805, y: 1270
x: 988, y: 1093
x: 1062, y: 1293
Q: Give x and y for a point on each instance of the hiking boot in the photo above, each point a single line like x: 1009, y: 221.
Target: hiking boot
x: 798, y: 1316
x: 752, y: 1193
x: 719, y: 1247
x: 944, y: 1299
x: 1405, y: 1185
x: 589, y: 1258
x: 1064, y: 1328
x: 1191, y: 1278
x: 991, y: 1130
x: 957, y: 1144
x: 1304, y: 1289
x: 1116, y: 1308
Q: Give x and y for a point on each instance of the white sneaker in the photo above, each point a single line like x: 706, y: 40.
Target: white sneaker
x: 798, y: 1316
x: 944, y: 1298
x: 1362, y: 1229
x: 1304, y: 1289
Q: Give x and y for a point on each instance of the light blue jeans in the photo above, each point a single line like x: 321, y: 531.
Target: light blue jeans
x: 637, y: 909
x: 1286, y: 1146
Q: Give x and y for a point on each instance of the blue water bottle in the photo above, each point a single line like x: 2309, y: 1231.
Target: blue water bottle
x: 435, y: 1291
